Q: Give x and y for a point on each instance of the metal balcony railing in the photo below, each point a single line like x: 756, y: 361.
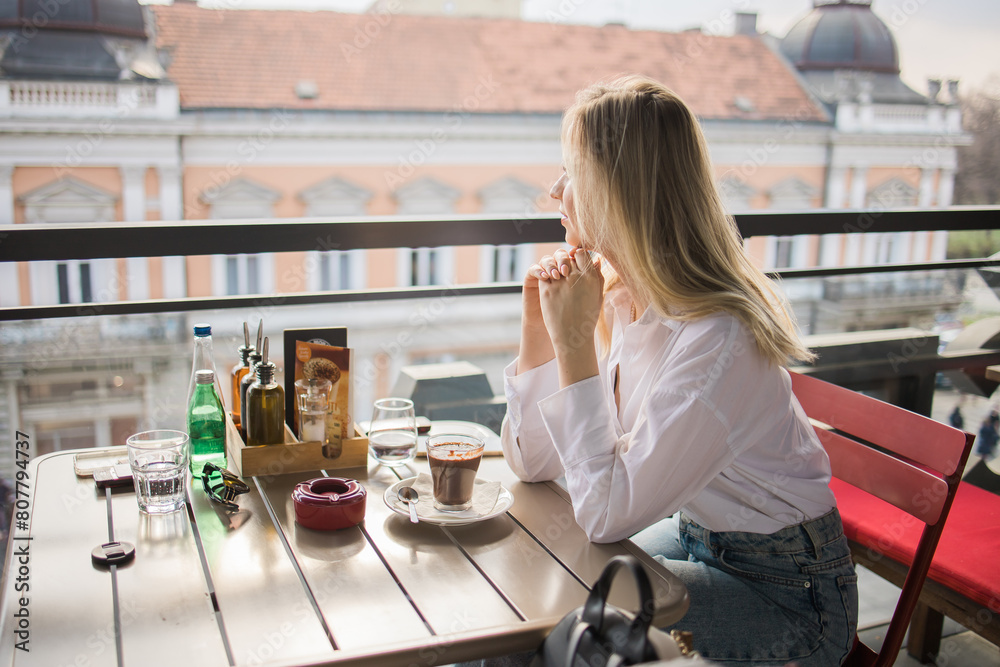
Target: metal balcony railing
x: 199, y: 237
x: 904, y: 375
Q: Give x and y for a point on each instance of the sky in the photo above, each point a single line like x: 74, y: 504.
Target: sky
x: 947, y: 39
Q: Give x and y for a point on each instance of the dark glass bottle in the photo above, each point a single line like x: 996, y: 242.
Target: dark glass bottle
x: 253, y: 358
x: 265, y: 406
x: 206, y: 422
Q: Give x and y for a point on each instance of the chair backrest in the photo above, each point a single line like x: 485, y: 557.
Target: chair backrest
x: 911, y: 461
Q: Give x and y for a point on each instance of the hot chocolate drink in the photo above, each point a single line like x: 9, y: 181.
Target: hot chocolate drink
x: 453, y: 466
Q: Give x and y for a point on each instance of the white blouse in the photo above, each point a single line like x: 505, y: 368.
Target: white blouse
x: 705, y: 425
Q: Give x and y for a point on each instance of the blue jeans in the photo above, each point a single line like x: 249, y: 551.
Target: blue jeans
x: 791, y: 596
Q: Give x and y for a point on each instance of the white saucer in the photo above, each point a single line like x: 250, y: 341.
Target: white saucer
x: 504, y: 502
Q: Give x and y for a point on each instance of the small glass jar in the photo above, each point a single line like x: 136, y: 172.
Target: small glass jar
x: 313, y: 405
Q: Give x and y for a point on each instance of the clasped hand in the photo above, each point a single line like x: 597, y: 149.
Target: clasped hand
x: 570, y: 290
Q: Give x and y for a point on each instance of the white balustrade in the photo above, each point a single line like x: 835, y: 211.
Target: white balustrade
x: 897, y: 119
x: 84, y: 99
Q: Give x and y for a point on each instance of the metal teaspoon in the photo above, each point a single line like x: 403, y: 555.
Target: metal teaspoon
x: 409, y: 496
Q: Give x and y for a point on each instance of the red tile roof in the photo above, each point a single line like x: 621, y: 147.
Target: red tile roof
x: 254, y: 58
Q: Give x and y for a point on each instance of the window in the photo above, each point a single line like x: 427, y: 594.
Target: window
x: 335, y: 270
x: 510, y: 197
x: 884, y: 248
x: 71, y: 201
x: 505, y: 264
x: 786, y: 252
x: 331, y: 269
x: 783, y: 251
x: 74, y: 280
x: 425, y: 266
x: 890, y: 247
x: 241, y: 274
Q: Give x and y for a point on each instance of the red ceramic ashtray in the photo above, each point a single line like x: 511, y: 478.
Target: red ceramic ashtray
x: 329, y: 503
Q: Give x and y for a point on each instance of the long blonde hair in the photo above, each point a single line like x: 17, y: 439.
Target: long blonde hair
x: 646, y: 200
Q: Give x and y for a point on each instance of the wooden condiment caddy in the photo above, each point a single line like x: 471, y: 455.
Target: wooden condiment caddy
x: 293, y: 456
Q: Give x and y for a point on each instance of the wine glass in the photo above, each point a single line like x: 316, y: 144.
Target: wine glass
x: 392, y: 437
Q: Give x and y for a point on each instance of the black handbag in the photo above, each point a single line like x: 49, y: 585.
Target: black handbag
x: 602, y: 635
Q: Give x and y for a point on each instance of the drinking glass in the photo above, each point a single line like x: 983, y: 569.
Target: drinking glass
x: 392, y: 437
x: 159, y: 469
x: 454, y: 460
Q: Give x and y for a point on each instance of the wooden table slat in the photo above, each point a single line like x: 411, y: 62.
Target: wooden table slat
x: 546, y: 511
x: 443, y: 583
x: 357, y: 596
x: 267, y: 613
x: 167, y: 613
x: 59, y: 565
x: 539, y: 586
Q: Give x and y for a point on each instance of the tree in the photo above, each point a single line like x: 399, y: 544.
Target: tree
x: 977, y: 179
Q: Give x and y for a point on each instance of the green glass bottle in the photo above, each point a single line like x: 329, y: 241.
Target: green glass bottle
x: 265, y: 406
x: 206, y: 421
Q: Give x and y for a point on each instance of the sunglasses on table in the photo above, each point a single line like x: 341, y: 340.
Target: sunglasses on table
x: 222, y: 486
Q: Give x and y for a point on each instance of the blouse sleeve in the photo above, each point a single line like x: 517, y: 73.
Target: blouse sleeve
x: 620, y: 485
x: 526, y: 444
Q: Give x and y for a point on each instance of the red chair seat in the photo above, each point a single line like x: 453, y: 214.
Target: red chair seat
x: 966, y: 557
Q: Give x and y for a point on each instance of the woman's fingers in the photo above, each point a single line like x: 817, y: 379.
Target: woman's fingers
x: 554, y: 266
x: 564, y: 259
x: 537, y: 272
x: 562, y: 263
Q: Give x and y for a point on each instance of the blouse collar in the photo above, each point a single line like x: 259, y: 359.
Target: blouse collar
x: 621, y: 302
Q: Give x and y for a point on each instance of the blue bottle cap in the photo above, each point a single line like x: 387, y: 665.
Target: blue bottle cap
x: 203, y: 330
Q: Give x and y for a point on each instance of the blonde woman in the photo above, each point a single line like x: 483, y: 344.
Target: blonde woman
x: 651, y: 375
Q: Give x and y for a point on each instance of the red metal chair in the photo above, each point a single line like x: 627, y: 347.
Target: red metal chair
x: 905, y: 459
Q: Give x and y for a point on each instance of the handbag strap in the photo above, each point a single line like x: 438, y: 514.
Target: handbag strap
x: 593, y: 608
x: 573, y: 642
x: 573, y: 647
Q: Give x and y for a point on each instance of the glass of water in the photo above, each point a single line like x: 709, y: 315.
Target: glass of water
x: 392, y: 436
x: 159, y: 469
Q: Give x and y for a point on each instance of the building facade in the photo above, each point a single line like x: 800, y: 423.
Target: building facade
x: 114, y: 112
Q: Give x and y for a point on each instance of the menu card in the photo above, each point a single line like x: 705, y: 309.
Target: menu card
x: 330, y: 337
x: 328, y: 362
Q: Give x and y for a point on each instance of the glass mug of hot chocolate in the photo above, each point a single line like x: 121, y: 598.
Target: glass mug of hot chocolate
x: 454, y: 459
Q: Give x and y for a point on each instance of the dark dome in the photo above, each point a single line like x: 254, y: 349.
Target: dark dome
x: 70, y: 39
x: 841, y: 35
x: 112, y: 17
x: 52, y: 54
